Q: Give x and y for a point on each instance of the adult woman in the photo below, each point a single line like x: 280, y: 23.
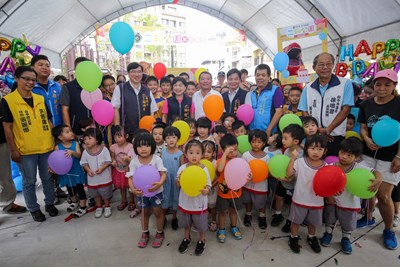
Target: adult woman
x: 28, y: 133
x: 384, y: 159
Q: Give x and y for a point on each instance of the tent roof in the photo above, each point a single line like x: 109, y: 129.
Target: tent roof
x: 57, y: 25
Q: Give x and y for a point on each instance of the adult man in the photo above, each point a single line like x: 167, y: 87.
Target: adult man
x: 267, y: 102
x: 328, y: 99
x: 236, y: 96
x: 132, y: 100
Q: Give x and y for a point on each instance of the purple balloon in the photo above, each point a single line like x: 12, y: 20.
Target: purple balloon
x: 59, y: 162
x: 331, y: 159
x: 245, y: 113
x: 144, y: 178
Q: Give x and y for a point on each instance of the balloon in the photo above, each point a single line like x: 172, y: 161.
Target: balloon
x: 362, y: 47
x: 14, y: 170
x: 184, y: 129
x: 349, y: 134
x: 88, y: 75
x: 193, y: 179
x: 146, y: 122
x: 34, y: 52
x: 391, y: 45
x: 7, y: 65
x: 331, y: 159
x: 17, y: 46
x: 328, y: 181
x: 5, y: 44
x: 245, y: 113
x: 213, y: 106
x: 259, y: 169
x: 358, y: 181
x: 103, y: 112
x: 371, y: 70
x: 18, y: 183
x: 341, y: 69
x: 386, y: 131
x: 122, y: 37
x: 144, y: 178
x: 175, y: 2
x: 210, y: 167
x: 236, y: 173
x: 243, y: 143
x: 198, y: 72
x: 348, y: 52
x: 288, y: 119
x: 159, y: 70
x: 59, y: 162
x: 88, y: 99
x: 281, y: 61
x: 277, y: 166
x: 322, y: 36
x: 354, y: 111
x: 285, y: 74
x: 357, y: 68
x: 377, y: 48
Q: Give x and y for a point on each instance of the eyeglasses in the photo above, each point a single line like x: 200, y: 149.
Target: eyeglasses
x: 27, y: 79
x: 136, y: 71
x: 322, y: 65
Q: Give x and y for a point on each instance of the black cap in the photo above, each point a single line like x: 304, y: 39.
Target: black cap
x: 221, y: 73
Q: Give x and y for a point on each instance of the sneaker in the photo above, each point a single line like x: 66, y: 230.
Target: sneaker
x: 174, y: 224
x: 389, y: 239
x: 262, y: 223
x: 158, y: 239
x: 200, y: 247
x: 144, y: 240
x: 294, y: 244
x: 98, y: 213
x: 213, y: 226
x: 72, y: 207
x: 184, y: 246
x: 396, y: 220
x: 346, y: 246
x: 314, y: 243
x: 52, y: 210
x: 38, y: 216
x: 107, y: 212
x: 16, y: 209
x: 286, y: 227
x: 326, y: 239
x: 80, y: 212
x: 60, y: 193
x: 276, y: 220
x: 221, y: 236
x: 236, y: 233
x: 364, y: 222
x: 247, y: 220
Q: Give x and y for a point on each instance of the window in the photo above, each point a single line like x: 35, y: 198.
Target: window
x: 164, y: 22
x: 172, y: 23
x: 181, y: 24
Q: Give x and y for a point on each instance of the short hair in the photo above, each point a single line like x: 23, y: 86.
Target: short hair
x: 316, y: 140
x: 278, y: 140
x: 183, y: 74
x: 191, y: 122
x: 228, y: 140
x: 151, y: 79
x: 159, y: 125
x: 107, y: 77
x: 237, y: 124
x: 220, y: 129
x: 121, y: 75
x: 85, y: 122
x: 57, y: 131
x: 179, y: 79
x: 308, y: 119
x: 60, y: 77
x: 315, y: 61
x: 169, y: 76
x: 276, y: 80
x: 204, y: 122
x: 133, y: 66
x: 79, y: 60
x: 227, y: 115
x: 295, y: 131
x: 295, y: 88
x: 263, y: 67
x: 191, y: 83
x: 356, y: 89
x: 211, y: 144
x: 254, y: 134
x: 205, y: 72
x: 351, y: 117
x: 94, y: 132
x: 244, y: 71
x: 351, y: 145
x: 171, y: 131
x: 165, y: 80
x: 144, y: 139
x: 233, y: 71
x: 193, y: 143
x: 18, y: 72
x: 120, y: 131
x: 37, y: 58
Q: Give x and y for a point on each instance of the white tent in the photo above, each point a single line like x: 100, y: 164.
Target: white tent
x: 57, y: 25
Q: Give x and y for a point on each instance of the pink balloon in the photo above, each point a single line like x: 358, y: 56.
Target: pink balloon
x: 236, y: 173
x: 245, y: 113
x: 89, y: 98
x: 331, y: 159
x: 103, y: 112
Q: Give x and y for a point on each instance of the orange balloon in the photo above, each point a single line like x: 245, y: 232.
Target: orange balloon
x: 259, y: 168
x: 147, y: 122
x: 213, y: 107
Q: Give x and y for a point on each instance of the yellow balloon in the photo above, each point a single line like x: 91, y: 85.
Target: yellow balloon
x: 184, y: 129
x: 193, y: 179
x: 352, y: 134
x: 210, y: 167
x: 198, y: 72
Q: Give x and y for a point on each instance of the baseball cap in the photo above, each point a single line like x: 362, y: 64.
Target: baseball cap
x: 388, y: 74
x: 221, y: 73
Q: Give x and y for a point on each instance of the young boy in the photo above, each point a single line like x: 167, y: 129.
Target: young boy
x: 294, y: 99
x: 152, y: 84
x: 157, y: 133
x: 238, y: 128
x: 345, y: 206
x: 292, y: 136
x: 166, y: 91
x: 350, y: 122
x: 203, y: 130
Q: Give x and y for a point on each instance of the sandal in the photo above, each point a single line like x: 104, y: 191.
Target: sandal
x: 131, y: 206
x: 134, y: 213
x: 122, y: 206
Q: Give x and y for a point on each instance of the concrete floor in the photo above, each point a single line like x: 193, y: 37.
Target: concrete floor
x: 112, y: 242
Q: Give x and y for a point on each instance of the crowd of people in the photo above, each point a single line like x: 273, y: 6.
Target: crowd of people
x: 41, y: 115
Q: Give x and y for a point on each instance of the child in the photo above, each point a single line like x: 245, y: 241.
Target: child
x: 190, y: 89
x: 293, y: 99
x: 210, y: 149
x: 238, y: 128
x: 193, y: 210
x: 75, y: 178
x: 171, y: 157
x: 178, y: 106
x: 306, y: 205
x: 84, y: 124
x: 165, y: 84
x: 274, y: 148
x: 344, y: 207
x: 145, y: 147
x: 96, y: 161
x: 158, y: 137
x: 152, y: 84
x: 256, y: 193
x: 227, y: 120
x: 219, y: 132
x: 291, y: 138
x: 285, y: 92
x: 203, y: 129
x: 350, y: 122
x: 121, y: 155
x: 310, y: 125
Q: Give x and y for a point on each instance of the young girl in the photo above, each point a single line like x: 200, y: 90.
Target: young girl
x: 274, y: 145
x: 193, y: 210
x: 171, y: 156
x: 75, y: 178
x: 306, y: 205
x: 227, y: 120
x: 210, y: 151
x: 193, y: 130
x: 178, y: 106
x: 145, y: 147
x: 96, y: 161
x: 203, y: 129
x: 256, y: 194
x: 121, y: 155
x: 157, y: 133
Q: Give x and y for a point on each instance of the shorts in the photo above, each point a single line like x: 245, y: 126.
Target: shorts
x: 150, y: 202
x: 225, y: 203
x: 396, y: 194
x: 347, y: 218
x: 287, y: 194
x: 384, y: 168
x: 259, y: 201
x: 272, y: 183
x: 300, y: 214
x: 105, y: 192
x: 199, y: 221
x: 212, y: 198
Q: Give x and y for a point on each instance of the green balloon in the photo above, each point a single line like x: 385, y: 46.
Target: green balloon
x: 289, y: 119
x: 244, y: 144
x: 358, y: 181
x: 88, y: 75
x: 277, y: 166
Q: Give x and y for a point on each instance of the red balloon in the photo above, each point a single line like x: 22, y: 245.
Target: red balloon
x: 328, y: 181
x: 159, y: 70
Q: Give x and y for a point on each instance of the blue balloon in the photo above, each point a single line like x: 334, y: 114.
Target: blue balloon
x: 14, y: 170
x: 322, y: 36
x: 281, y: 61
x: 18, y: 183
x: 386, y: 132
x: 285, y: 73
x: 122, y: 37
